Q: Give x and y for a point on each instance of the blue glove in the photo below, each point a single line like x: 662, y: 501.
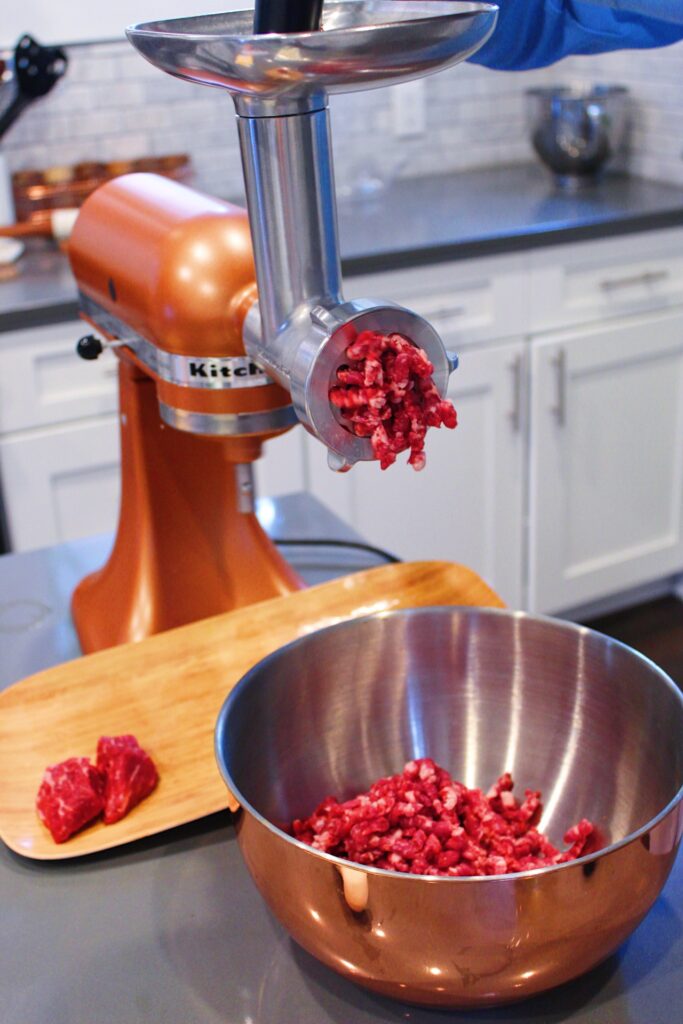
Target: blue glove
x: 535, y: 33
x: 664, y: 10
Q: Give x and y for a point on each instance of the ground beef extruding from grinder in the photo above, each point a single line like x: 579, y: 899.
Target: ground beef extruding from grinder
x: 130, y: 774
x: 385, y: 392
x: 70, y: 796
x: 423, y: 822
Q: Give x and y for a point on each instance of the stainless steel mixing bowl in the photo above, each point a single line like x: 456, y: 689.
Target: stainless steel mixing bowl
x: 577, y: 131
x: 594, y: 725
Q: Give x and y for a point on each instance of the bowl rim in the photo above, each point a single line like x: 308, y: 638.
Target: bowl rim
x: 341, y: 862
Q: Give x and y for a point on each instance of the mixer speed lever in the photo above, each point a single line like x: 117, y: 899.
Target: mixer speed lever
x: 89, y: 347
x: 92, y: 347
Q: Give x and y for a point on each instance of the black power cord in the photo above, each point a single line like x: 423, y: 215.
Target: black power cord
x: 321, y: 542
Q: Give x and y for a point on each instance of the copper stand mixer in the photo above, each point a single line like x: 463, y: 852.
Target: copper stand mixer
x: 221, y: 349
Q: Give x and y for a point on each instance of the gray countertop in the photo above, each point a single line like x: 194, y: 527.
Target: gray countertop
x: 171, y: 929
x: 494, y: 211
x: 42, y: 291
x: 412, y: 222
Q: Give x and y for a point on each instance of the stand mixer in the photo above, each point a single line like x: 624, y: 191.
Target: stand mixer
x: 230, y: 328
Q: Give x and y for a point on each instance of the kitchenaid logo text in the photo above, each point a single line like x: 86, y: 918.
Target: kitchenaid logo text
x: 238, y: 372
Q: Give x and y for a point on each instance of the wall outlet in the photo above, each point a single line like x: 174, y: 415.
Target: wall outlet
x: 409, y: 114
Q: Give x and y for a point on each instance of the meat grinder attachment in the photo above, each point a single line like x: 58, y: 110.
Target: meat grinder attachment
x: 280, y: 69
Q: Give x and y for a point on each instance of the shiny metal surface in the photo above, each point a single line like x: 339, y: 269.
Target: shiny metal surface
x: 216, y: 373
x: 577, y: 132
x: 595, y: 726
x: 238, y: 424
x: 280, y: 84
x: 364, y: 44
x: 301, y: 327
x: 246, y: 494
x: 312, y: 347
x: 559, y: 409
x: 287, y: 163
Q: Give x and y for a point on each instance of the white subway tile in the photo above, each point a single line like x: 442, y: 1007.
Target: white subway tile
x: 113, y: 104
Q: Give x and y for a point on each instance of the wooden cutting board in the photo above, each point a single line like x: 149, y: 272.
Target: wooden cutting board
x: 168, y: 690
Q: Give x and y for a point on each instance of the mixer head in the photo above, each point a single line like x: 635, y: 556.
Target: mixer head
x: 280, y: 68
x: 169, y: 273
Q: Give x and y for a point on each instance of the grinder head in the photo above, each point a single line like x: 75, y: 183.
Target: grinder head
x: 280, y: 81
x: 169, y: 274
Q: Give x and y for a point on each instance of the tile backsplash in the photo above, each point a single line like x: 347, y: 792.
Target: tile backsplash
x: 113, y: 105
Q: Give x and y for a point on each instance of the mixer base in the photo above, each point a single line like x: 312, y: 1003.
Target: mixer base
x: 183, y: 550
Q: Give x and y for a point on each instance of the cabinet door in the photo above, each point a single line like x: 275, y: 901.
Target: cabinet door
x: 61, y: 483
x: 606, y: 487
x: 466, y: 505
x: 43, y: 381
x: 280, y: 470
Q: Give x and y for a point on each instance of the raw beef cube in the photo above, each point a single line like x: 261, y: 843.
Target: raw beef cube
x: 70, y: 795
x: 130, y: 774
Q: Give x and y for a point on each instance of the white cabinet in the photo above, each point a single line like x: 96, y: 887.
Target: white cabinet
x: 468, y: 301
x: 61, y: 483
x: 280, y: 470
x: 606, y: 459
x: 585, y: 499
x: 59, y: 438
x: 467, y: 504
x: 593, y: 281
x: 43, y: 381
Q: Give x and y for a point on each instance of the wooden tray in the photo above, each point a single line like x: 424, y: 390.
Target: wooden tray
x: 168, y: 691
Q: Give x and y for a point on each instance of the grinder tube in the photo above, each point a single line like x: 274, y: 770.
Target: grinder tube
x: 283, y: 16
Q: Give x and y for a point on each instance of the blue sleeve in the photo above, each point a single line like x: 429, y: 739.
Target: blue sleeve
x: 536, y: 33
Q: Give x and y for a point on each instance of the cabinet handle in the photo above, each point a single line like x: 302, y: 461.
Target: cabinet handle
x: 515, y: 413
x: 444, y: 312
x: 559, y: 410
x: 648, y: 277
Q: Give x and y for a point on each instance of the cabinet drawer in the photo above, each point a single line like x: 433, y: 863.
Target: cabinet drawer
x: 600, y: 279
x: 61, y: 483
x: 43, y: 381
x: 467, y: 302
